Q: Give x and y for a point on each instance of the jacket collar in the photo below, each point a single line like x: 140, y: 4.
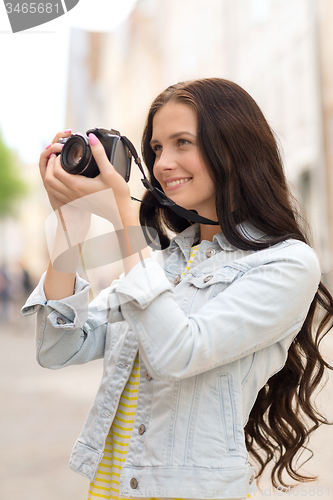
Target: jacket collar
x: 186, y: 239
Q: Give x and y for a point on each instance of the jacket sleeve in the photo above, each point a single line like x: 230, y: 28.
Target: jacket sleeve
x: 69, y: 331
x: 266, y: 304
x: 72, y: 330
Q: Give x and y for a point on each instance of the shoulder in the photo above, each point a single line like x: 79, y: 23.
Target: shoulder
x: 292, y: 260
x: 291, y: 250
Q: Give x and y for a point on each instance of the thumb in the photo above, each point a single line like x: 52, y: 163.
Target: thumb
x: 99, y: 154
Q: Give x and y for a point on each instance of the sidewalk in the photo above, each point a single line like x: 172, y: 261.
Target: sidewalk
x: 43, y: 411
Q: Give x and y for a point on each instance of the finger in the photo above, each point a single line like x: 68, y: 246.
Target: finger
x: 55, y: 170
x: 62, y: 135
x: 73, y: 186
x: 46, y: 154
x: 48, y: 173
x: 51, y: 148
x: 72, y: 181
x: 62, y: 197
x: 54, y: 185
x: 43, y: 160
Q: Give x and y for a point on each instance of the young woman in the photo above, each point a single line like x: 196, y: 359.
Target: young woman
x: 211, y: 352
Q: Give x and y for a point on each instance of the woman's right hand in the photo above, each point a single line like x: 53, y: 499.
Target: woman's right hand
x: 46, y: 168
x: 72, y: 218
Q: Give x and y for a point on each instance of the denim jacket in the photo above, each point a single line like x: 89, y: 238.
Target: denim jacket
x: 208, y: 342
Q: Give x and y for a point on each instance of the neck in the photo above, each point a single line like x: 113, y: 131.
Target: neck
x: 207, y: 232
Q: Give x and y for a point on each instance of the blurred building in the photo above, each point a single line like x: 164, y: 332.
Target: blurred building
x: 324, y: 40
x: 276, y: 52
x: 280, y: 52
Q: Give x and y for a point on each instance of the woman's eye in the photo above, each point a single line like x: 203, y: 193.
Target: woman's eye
x: 157, y: 148
x: 182, y: 142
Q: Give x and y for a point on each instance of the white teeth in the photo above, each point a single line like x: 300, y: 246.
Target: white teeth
x: 179, y: 181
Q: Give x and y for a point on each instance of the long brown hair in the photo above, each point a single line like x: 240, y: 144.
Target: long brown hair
x: 239, y: 147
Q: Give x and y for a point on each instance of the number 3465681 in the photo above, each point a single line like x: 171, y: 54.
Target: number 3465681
x: 32, y: 8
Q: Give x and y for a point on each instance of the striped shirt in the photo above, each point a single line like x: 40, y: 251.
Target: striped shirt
x: 194, y: 250
x: 106, y: 483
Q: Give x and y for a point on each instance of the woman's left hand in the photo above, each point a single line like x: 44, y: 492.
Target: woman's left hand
x: 113, y: 201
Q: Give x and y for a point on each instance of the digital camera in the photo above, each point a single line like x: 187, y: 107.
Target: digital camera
x: 76, y: 156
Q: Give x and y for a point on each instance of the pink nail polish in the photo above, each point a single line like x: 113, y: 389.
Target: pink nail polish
x: 47, y: 147
x: 68, y: 130
x: 51, y: 155
x: 93, y: 139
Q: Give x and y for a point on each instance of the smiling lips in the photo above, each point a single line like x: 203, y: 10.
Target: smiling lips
x: 177, y: 182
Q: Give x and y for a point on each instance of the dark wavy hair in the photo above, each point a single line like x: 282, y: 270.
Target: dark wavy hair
x: 241, y: 152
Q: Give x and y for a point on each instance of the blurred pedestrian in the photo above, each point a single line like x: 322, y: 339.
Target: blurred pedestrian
x: 27, y: 283
x: 4, y: 294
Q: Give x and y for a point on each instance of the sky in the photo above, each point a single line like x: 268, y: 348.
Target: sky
x: 33, y: 74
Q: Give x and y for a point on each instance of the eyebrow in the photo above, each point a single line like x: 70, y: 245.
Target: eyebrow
x: 173, y: 136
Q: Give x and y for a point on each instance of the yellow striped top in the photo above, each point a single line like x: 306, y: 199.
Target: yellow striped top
x: 194, y: 250
x: 107, y: 480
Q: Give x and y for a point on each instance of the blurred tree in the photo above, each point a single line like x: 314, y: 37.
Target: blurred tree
x: 12, y: 186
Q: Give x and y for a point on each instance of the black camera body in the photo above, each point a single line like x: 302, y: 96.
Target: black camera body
x: 76, y: 156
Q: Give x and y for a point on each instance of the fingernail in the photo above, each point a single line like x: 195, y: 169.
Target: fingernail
x: 47, y: 147
x: 68, y: 130
x: 93, y: 139
x: 51, y: 155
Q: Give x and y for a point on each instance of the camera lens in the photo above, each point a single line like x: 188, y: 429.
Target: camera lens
x: 76, y: 156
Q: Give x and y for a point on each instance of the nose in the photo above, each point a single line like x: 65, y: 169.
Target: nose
x: 164, y: 161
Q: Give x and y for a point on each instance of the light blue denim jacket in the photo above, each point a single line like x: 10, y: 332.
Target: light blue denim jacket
x: 208, y: 342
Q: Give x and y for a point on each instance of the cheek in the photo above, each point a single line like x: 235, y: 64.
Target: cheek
x: 211, y: 185
x: 156, y: 173
x: 207, y: 181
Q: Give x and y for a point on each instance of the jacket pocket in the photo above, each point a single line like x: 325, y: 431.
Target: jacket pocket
x: 228, y: 410
x: 214, y: 282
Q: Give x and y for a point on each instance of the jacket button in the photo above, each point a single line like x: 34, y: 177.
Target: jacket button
x: 210, y: 252
x: 61, y: 321
x: 208, y: 278
x: 133, y: 483
x: 142, y: 429
x: 177, y: 280
x: 147, y: 375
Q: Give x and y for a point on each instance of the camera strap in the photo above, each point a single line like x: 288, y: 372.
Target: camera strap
x: 162, y: 199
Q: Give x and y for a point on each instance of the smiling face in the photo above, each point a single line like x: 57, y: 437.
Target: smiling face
x: 179, y: 166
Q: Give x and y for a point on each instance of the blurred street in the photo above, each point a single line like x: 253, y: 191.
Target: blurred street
x: 43, y: 411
